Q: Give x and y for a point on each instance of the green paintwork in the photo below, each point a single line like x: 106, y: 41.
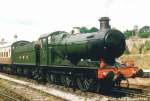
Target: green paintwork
x: 24, y: 54
x: 44, y: 58
x: 60, y: 46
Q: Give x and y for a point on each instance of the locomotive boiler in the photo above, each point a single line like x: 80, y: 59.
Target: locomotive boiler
x: 107, y: 44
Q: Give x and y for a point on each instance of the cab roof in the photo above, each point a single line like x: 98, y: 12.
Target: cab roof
x: 53, y: 33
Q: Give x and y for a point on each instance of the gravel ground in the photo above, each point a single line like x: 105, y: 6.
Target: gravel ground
x: 28, y: 93
x: 28, y: 90
x: 9, y: 95
x: 49, y: 90
x: 139, y: 81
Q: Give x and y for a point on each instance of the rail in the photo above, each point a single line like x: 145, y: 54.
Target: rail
x: 146, y: 73
x: 138, y: 93
x: 9, y: 98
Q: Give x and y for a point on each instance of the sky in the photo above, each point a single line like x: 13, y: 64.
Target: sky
x: 29, y: 19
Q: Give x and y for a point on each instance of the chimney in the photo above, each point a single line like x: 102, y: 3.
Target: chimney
x: 104, y: 23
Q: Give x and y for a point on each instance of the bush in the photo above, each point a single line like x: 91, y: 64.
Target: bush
x: 144, y: 34
x: 86, y: 30
x: 146, y: 47
x: 128, y: 34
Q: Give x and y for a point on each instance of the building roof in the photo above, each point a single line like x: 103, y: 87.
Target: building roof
x: 6, y: 44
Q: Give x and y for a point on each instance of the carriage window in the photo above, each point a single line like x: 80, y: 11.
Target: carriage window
x: 19, y: 57
x: 27, y: 57
x: 9, y: 52
x: 23, y: 57
x: 6, y: 54
x: 49, y: 40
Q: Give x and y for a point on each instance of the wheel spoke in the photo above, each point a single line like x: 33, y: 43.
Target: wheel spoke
x: 85, y: 83
x: 52, y: 78
x: 66, y: 80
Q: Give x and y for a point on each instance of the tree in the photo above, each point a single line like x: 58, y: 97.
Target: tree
x: 94, y: 29
x: 144, y: 32
x: 145, y: 29
x: 86, y: 30
x: 128, y: 33
x: 144, y: 35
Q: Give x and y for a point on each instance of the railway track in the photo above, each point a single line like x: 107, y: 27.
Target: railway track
x: 53, y: 89
x: 7, y: 97
x: 72, y: 95
x: 134, y: 95
x: 146, y: 73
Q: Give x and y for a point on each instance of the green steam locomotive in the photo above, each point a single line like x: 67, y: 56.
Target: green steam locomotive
x: 69, y: 58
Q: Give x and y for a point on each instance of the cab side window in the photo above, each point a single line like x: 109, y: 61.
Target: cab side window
x: 49, y: 40
x: 53, y: 39
x: 41, y: 43
x: 44, y: 41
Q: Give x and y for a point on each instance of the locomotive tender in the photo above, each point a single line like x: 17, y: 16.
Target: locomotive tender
x: 69, y: 58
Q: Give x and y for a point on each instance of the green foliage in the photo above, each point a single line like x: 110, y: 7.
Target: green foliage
x: 146, y: 47
x: 144, y: 32
x: 86, y: 30
x: 128, y: 33
x: 94, y: 29
x: 145, y: 29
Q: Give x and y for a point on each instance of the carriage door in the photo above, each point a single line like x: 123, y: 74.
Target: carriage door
x: 50, y: 51
x: 43, y: 51
x: 37, y: 54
